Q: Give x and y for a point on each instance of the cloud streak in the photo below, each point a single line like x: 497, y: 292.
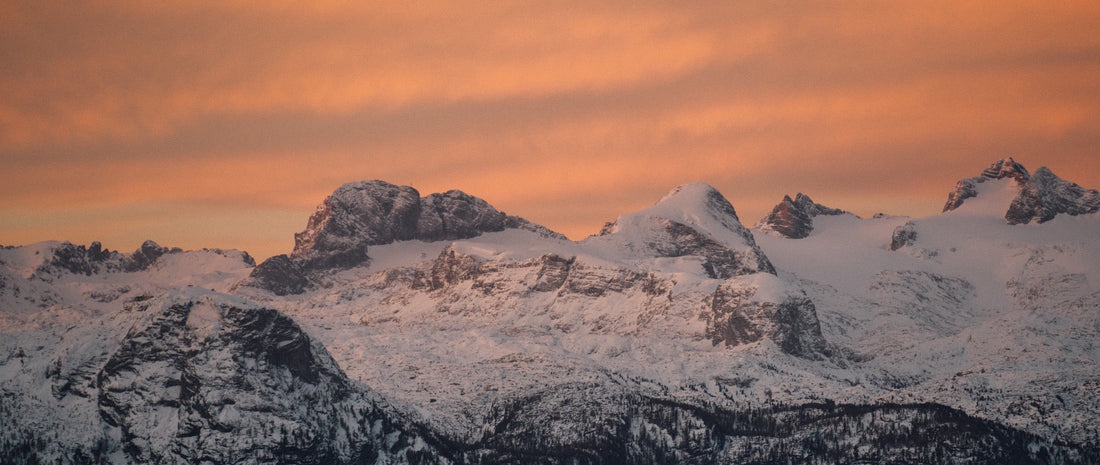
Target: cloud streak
x: 568, y: 114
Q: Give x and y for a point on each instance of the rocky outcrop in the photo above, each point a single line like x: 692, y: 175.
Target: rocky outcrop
x: 146, y: 255
x: 693, y: 220
x: 354, y: 216
x: 745, y: 311
x: 455, y: 215
x: 1042, y: 195
x: 719, y: 261
x: 795, y: 218
x: 81, y: 260
x: 903, y: 235
x: 210, y: 379
x: 280, y: 275
x: 362, y: 214
x: 1000, y: 169
x: 1045, y: 196
x: 92, y: 259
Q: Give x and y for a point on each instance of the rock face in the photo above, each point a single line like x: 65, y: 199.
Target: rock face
x: 146, y: 255
x: 1045, y: 196
x: 362, y: 214
x: 903, y: 235
x: 1000, y: 169
x: 668, y: 339
x: 88, y: 260
x: 744, y: 311
x: 354, y: 216
x: 281, y: 275
x: 1041, y: 197
x: 208, y: 379
x: 693, y: 220
x: 795, y: 218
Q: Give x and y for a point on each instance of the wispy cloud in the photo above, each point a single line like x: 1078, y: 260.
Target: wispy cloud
x: 568, y: 113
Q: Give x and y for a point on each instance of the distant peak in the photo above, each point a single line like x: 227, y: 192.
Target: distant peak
x: 691, y: 190
x: 694, y: 199
x: 794, y: 218
x: 1040, y: 197
x: 692, y: 219
x: 1006, y: 168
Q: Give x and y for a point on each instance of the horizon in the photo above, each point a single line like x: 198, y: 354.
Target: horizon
x: 226, y: 125
x: 744, y: 222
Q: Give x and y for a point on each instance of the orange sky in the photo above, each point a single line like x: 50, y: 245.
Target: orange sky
x: 210, y: 125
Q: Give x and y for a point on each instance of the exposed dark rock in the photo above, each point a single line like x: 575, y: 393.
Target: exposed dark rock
x: 354, y: 216
x: 78, y: 259
x: 1045, y: 196
x: 449, y: 268
x: 145, y: 256
x: 362, y: 214
x: 714, y: 233
x: 904, y: 235
x: 795, y: 218
x: 1006, y: 168
x: 73, y: 258
x: 97, y: 253
x: 553, y: 271
x: 211, y: 382
x: 279, y: 274
x: 597, y: 282
x: 737, y: 316
x: 1000, y: 169
x: 719, y: 261
x: 456, y: 215
x: 1042, y: 195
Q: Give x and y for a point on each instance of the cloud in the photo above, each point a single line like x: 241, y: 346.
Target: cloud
x: 567, y: 113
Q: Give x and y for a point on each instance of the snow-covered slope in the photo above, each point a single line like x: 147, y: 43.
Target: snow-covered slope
x: 999, y: 319
x: 409, y: 329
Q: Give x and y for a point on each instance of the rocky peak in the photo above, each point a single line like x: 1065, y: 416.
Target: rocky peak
x: 354, y: 216
x: 1041, y: 196
x: 368, y: 213
x: 146, y: 255
x: 691, y: 220
x: 87, y: 260
x: 794, y: 218
x: 1006, y: 168
x: 1000, y: 169
x: 1045, y: 196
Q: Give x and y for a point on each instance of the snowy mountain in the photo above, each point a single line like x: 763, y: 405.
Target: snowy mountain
x: 436, y: 329
x: 1038, y: 197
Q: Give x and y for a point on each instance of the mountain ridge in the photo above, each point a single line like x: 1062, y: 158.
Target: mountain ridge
x: 394, y: 333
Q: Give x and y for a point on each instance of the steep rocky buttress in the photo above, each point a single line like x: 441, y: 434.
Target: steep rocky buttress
x: 362, y: 214
x: 794, y: 219
x: 1041, y: 196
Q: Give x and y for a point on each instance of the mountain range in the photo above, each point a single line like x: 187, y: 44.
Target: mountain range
x: 437, y: 329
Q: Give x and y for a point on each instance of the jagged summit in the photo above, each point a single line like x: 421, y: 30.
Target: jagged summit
x: 44, y: 259
x: 1006, y: 168
x: 698, y: 205
x: 1045, y: 196
x: 368, y: 213
x: 795, y: 218
x: 1007, y: 186
x: 691, y: 220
